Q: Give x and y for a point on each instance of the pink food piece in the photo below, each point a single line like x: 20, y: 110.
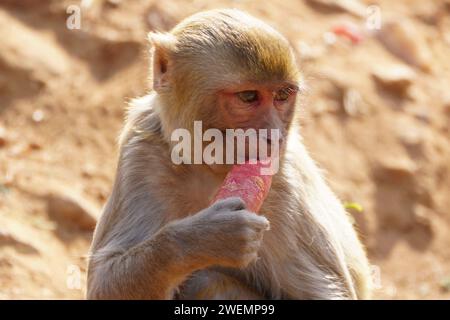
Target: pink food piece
x: 349, y: 31
x: 247, y: 182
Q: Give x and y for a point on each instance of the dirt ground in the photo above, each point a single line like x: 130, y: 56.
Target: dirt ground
x: 382, y: 139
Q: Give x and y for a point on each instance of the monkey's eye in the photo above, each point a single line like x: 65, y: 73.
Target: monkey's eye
x: 283, y: 94
x: 248, y: 96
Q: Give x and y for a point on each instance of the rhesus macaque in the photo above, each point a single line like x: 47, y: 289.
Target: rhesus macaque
x: 159, y: 237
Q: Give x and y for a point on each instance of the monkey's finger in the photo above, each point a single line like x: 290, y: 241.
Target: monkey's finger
x: 250, y: 257
x: 257, y: 221
x: 253, y: 246
x: 232, y: 203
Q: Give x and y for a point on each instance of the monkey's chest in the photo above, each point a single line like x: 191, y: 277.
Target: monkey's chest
x: 213, y: 285
x: 196, y: 192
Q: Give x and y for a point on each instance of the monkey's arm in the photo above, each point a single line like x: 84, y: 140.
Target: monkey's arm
x: 222, y: 234
x: 131, y: 261
x: 151, y: 269
x: 135, y: 252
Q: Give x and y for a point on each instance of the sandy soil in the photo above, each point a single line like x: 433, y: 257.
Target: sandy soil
x: 383, y: 143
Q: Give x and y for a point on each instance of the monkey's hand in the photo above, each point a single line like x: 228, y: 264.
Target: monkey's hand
x: 224, y: 234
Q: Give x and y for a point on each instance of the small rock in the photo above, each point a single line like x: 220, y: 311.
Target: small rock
x: 17, y: 291
x: 422, y: 215
x: 424, y: 289
x: 337, y: 79
x: 38, y: 115
x: 308, y: 52
x: 446, y: 104
x: 421, y: 114
x: 444, y: 284
x: 327, y: 106
x: 403, y: 40
x: 349, y: 98
x: 329, y: 38
x: 86, y: 4
x: 391, y: 291
x: 46, y: 59
x: 447, y: 38
x: 9, y: 178
x: 396, y: 168
x: 409, y: 135
x: 35, y: 146
x: 113, y: 3
x: 73, y: 210
x: 17, y: 149
x: 3, y: 139
x: 96, y: 192
x: 3, y: 189
x: 88, y: 171
x: 162, y: 16
x: 46, y: 292
x: 9, y: 239
x: 396, y: 78
x: 354, y: 7
x: 5, y: 263
x: 5, y: 236
x: 352, y: 102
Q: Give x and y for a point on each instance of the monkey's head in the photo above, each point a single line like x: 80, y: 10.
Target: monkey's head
x: 227, y: 69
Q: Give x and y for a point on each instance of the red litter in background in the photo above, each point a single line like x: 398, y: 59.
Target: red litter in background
x: 349, y: 31
x: 246, y: 182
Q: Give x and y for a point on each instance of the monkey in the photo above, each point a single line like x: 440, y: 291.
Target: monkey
x: 159, y: 236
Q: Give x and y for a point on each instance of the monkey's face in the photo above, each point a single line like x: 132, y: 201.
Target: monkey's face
x: 262, y: 110
x: 228, y: 70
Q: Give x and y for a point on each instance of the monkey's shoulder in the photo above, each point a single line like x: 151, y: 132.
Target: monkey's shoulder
x: 143, y: 122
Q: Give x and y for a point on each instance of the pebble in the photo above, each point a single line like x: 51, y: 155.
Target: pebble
x: 73, y: 210
x: 396, y: 78
x: 352, y: 102
x: 402, y: 39
x: 396, y: 168
x: 422, y: 215
x: 308, y: 52
x: 38, y: 115
x: 3, y: 139
x: 353, y: 7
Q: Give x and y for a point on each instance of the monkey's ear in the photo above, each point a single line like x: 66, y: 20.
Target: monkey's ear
x: 162, y: 45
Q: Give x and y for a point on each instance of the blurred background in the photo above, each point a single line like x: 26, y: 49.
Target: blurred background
x: 376, y: 117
